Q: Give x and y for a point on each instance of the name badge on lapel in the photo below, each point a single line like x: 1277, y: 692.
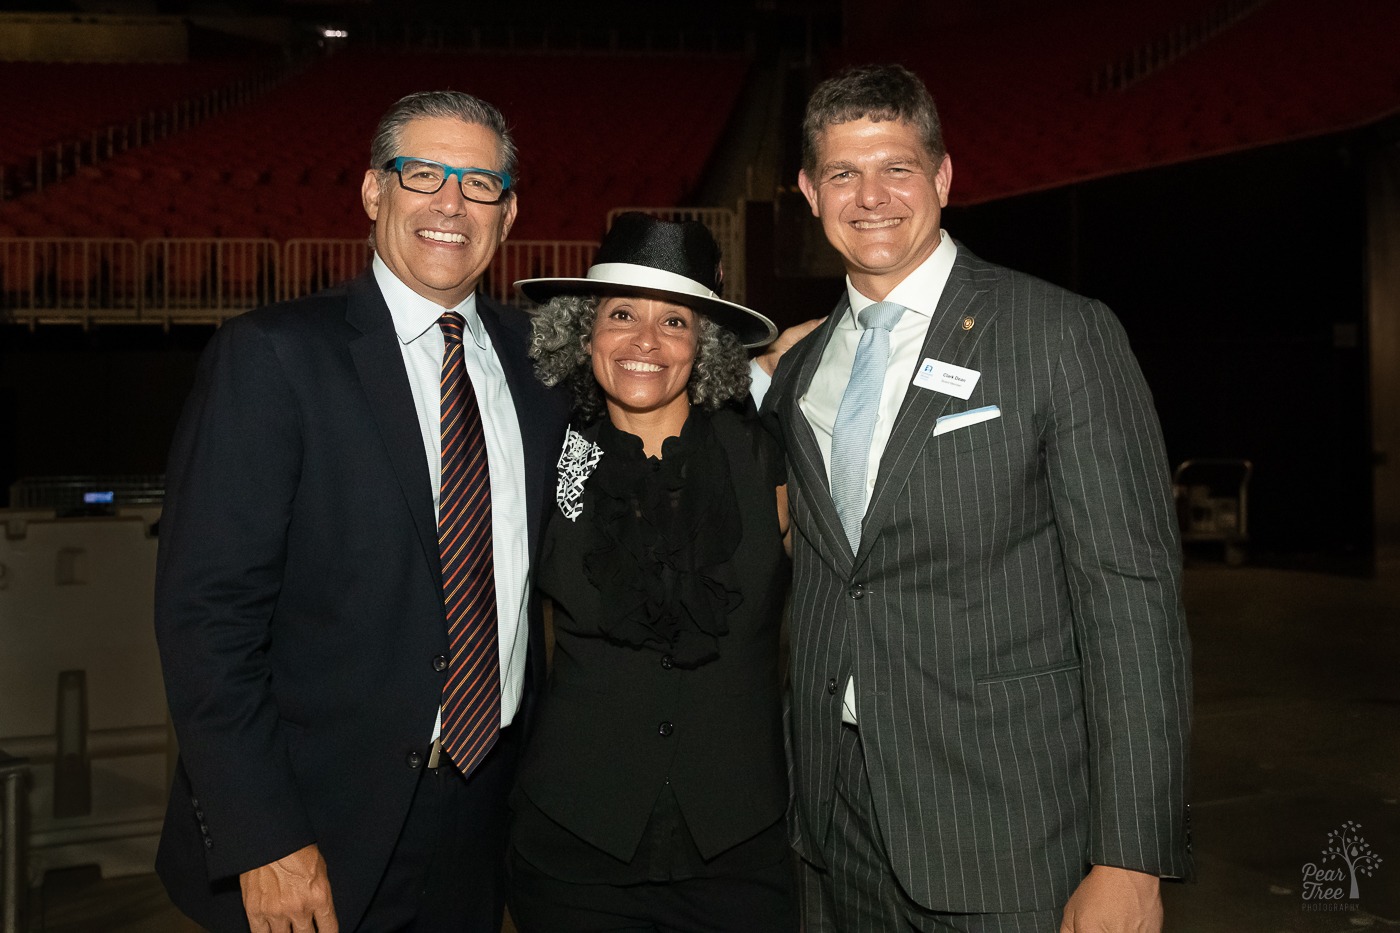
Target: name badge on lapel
x: 956, y: 381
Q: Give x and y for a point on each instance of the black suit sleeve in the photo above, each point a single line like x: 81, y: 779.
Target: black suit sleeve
x: 231, y: 485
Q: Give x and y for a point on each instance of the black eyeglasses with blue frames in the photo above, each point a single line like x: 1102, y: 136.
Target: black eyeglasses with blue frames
x: 427, y: 177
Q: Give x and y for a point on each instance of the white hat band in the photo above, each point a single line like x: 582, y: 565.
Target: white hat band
x: 627, y: 273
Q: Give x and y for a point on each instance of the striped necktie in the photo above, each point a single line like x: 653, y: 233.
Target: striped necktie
x: 471, y: 698
x: 855, y: 419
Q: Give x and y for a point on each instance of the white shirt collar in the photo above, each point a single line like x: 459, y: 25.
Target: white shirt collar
x: 920, y: 290
x: 413, y: 314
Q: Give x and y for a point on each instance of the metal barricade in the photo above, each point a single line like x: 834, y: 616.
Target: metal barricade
x: 70, y: 278
x: 207, y: 279
x: 533, y: 259
x: 311, y: 265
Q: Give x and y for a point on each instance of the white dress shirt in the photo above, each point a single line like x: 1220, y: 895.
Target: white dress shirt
x: 919, y: 293
x: 421, y: 343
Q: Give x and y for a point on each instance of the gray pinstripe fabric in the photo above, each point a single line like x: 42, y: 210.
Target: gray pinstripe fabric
x: 857, y: 893
x: 1012, y: 615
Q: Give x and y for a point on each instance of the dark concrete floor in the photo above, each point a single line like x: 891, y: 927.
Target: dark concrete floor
x: 1297, y: 732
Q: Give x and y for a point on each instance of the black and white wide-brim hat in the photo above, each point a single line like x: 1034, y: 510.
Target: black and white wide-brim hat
x: 654, y: 258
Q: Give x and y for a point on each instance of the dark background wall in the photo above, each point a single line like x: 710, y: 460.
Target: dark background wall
x: 1241, y: 282
x: 100, y: 402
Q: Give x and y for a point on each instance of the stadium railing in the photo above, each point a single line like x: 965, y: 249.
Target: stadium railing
x: 178, y: 280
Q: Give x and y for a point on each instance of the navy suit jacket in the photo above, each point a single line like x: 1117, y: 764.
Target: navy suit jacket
x: 298, y: 594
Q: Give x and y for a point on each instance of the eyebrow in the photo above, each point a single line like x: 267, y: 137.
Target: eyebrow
x: 844, y: 165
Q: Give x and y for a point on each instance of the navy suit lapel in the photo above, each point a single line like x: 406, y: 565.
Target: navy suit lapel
x: 947, y: 341
x: 379, y: 363
x: 804, y: 453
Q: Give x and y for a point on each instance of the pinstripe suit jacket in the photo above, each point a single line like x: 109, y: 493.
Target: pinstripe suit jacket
x: 1012, y: 616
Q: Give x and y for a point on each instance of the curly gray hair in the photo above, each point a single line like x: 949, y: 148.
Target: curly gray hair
x: 560, y: 335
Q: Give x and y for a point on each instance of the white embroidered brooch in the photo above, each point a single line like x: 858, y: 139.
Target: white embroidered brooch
x: 576, y: 463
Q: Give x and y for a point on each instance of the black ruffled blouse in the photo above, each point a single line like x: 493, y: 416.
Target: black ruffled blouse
x: 663, y: 531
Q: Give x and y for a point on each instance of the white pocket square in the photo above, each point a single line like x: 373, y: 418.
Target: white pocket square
x: 965, y: 419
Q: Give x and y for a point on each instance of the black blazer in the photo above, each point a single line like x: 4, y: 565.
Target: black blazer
x: 298, y: 594
x: 619, y: 724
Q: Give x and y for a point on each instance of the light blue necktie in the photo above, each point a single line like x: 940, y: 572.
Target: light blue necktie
x: 855, y: 419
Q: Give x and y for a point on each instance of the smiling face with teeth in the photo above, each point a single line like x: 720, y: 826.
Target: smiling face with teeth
x: 643, y: 351
x: 879, y: 195
x: 439, y: 244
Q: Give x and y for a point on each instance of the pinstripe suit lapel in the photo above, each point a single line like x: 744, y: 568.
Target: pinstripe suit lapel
x: 806, y: 456
x: 948, y: 342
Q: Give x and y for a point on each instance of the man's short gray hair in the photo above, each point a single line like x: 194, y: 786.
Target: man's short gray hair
x: 560, y: 344
x: 871, y: 92
x: 449, y: 104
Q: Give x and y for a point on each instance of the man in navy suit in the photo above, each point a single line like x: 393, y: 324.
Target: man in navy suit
x: 300, y: 606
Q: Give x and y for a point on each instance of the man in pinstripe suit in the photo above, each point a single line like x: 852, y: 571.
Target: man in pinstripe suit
x: 990, y: 673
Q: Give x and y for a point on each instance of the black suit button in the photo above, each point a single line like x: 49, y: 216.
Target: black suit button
x: 414, y: 760
x: 668, y: 662
x: 199, y: 815
x: 665, y: 729
x: 831, y: 686
x: 204, y: 829
x: 857, y: 590
x: 195, y: 802
x: 439, y: 664
x: 208, y: 843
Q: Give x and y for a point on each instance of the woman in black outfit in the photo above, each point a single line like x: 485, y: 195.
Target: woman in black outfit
x: 653, y: 792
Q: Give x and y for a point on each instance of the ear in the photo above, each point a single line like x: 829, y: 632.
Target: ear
x: 508, y: 216
x: 943, y: 180
x: 809, y: 191
x: 369, y: 194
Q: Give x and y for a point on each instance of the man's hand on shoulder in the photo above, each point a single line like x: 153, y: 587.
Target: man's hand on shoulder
x: 1114, y: 900
x: 290, y: 895
x: 768, y: 359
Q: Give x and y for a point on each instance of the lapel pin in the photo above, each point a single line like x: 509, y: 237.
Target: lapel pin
x: 967, y: 323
